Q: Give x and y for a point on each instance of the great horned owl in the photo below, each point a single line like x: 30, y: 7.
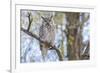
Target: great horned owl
x: 47, y: 34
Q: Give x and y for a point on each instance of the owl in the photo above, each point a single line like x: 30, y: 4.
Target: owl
x: 47, y: 34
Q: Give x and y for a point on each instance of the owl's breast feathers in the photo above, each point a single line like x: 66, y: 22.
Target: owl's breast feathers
x: 47, y: 34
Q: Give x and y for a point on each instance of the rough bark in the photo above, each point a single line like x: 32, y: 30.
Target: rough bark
x: 73, y: 49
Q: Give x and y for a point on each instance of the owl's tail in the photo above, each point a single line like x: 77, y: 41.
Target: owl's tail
x: 44, y: 53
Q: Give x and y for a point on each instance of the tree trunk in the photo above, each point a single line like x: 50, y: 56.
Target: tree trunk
x: 73, y: 36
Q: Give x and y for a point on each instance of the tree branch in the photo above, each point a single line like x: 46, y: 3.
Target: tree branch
x: 41, y: 41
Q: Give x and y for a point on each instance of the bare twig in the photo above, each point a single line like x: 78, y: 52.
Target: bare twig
x: 30, y: 21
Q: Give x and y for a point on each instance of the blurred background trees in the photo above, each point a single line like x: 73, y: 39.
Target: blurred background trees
x: 71, y: 38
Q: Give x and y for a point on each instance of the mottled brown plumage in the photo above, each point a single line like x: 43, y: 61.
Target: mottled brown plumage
x: 47, y: 34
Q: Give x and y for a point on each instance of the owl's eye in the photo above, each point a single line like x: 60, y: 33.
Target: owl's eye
x: 49, y: 20
x: 47, y: 23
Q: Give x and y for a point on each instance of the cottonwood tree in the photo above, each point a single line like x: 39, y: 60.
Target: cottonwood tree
x: 74, y: 34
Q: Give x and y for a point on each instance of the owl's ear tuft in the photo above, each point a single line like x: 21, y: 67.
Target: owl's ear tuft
x: 42, y: 17
x: 50, y: 18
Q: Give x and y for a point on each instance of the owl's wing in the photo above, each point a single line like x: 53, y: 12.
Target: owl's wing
x: 42, y: 33
x: 52, y: 35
